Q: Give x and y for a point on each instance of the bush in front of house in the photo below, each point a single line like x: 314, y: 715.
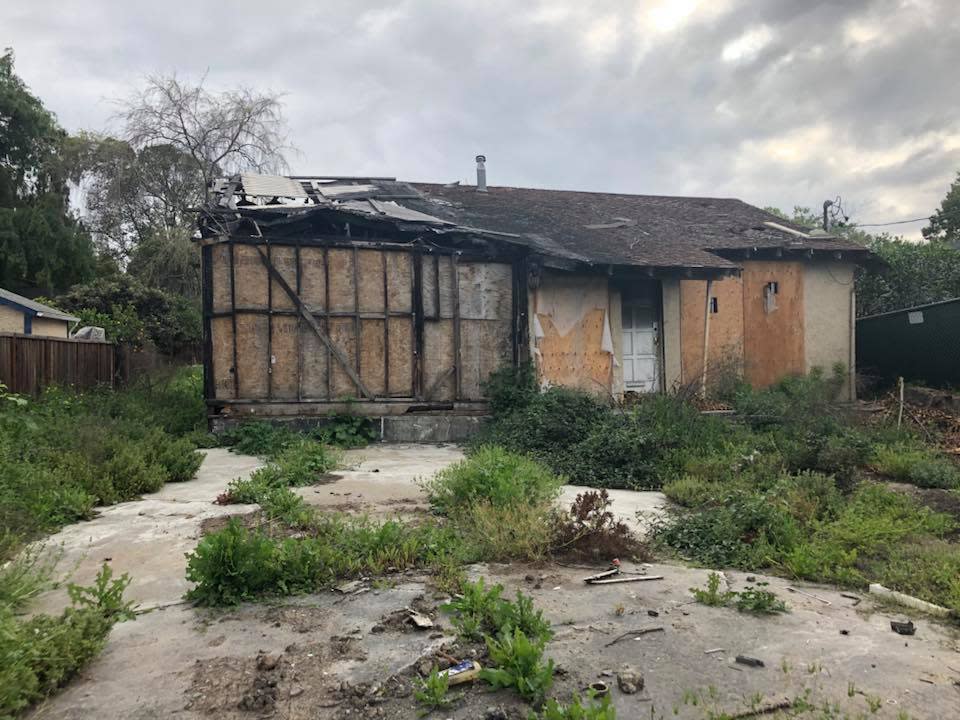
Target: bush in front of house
x: 65, y: 452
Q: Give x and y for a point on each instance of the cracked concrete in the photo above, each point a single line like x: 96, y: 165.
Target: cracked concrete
x: 179, y: 661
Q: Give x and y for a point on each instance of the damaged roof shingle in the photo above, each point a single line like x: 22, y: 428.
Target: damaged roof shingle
x: 596, y: 228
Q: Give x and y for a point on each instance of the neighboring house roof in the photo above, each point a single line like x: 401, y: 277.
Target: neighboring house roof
x: 32, y: 307
x: 590, y: 227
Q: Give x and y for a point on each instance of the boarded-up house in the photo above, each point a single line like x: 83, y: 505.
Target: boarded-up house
x: 403, y: 297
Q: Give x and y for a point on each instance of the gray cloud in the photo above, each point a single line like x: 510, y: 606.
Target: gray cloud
x: 777, y: 102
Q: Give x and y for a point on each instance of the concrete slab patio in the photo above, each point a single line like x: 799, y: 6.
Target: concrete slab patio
x: 318, y: 655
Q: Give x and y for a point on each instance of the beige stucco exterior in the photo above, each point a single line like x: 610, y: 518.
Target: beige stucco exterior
x: 810, y: 325
x: 11, y: 320
x: 829, y: 310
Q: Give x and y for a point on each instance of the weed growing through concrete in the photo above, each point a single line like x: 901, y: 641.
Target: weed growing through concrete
x: 431, y: 691
x: 592, y: 709
x: 519, y: 664
x: 753, y: 600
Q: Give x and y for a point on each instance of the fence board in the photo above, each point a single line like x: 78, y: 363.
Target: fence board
x: 28, y: 364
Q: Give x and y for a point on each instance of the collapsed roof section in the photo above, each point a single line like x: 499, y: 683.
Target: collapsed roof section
x: 654, y: 232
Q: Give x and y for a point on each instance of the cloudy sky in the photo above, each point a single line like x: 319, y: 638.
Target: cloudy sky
x: 778, y: 102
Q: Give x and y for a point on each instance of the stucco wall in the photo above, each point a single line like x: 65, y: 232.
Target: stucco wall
x: 827, y: 296
x: 672, y: 365
x: 50, y: 328
x: 11, y: 320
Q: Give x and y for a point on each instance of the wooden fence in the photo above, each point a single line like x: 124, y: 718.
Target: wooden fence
x: 28, y: 364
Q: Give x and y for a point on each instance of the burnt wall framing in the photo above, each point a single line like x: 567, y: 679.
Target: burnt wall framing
x: 405, y: 334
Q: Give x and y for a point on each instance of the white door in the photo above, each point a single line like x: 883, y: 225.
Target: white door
x: 640, y: 351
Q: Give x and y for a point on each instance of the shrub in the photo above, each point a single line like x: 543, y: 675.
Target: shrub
x: 756, y: 600
x: 348, y: 431
x: 915, y: 465
x: 511, y: 388
x: 481, y: 611
x: 590, y: 530
x: 42, y: 654
x: 507, y: 532
x: 576, y: 710
x: 494, y: 475
x: 519, y: 664
x: 236, y: 564
x: 259, y: 438
x: 692, y: 491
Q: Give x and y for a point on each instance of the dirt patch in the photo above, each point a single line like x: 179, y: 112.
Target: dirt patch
x: 299, y: 619
x: 413, y: 618
x: 944, y: 501
x: 249, y: 520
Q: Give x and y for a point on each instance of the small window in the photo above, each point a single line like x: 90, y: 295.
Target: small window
x: 770, y: 291
x: 714, y: 305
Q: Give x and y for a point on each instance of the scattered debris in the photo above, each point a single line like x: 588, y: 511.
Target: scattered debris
x: 850, y: 596
x: 632, y: 578
x: 809, y: 595
x: 764, y: 707
x: 599, y: 688
x: 903, y: 628
x: 462, y: 672
x: 653, y: 613
x: 909, y: 601
x: 751, y: 578
x: 639, y: 632
x: 711, y: 651
x: 348, y: 588
x: 844, y: 632
x: 629, y: 680
x: 749, y: 661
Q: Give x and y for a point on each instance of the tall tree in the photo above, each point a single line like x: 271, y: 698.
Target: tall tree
x: 222, y: 132
x: 176, y: 139
x: 945, y: 223
x: 42, y: 248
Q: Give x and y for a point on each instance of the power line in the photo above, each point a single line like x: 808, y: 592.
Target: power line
x: 939, y: 213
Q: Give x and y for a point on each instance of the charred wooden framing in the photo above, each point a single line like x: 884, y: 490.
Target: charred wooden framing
x: 412, y: 287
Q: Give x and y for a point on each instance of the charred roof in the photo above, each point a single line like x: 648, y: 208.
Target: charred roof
x: 585, y: 227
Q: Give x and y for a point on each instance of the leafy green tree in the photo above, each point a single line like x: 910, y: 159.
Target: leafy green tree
x: 945, y: 223
x: 917, y: 273
x: 131, y: 312
x: 41, y: 246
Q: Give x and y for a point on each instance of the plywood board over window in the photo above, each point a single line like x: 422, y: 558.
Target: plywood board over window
x: 725, y: 353
x: 773, y: 321
x: 571, y: 311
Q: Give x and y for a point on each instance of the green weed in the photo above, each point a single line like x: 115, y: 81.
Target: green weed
x: 519, y: 664
x: 593, y: 709
x: 431, y: 691
x: 753, y: 600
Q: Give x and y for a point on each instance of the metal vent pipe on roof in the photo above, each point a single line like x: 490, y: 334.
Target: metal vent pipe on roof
x: 481, y: 173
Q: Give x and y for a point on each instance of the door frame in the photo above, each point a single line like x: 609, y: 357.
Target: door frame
x: 627, y: 297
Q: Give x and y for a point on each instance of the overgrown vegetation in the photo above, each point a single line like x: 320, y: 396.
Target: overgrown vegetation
x: 66, y: 452
x: 757, y: 600
x: 793, y: 484
x: 41, y: 654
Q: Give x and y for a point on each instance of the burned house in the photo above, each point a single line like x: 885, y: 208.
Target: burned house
x: 396, y: 299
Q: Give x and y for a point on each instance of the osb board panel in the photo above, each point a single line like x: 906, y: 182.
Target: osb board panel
x: 484, y: 347
x: 725, y: 353
x: 428, y: 282
x: 438, y: 359
x: 772, y: 341
x: 343, y: 337
x: 401, y: 357
x: 284, y: 361
x: 220, y: 264
x: 372, y: 356
x: 486, y: 291
x: 445, y: 271
x: 341, y: 279
x: 251, y: 277
x: 576, y: 359
x: 312, y: 281
x: 252, y: 357
x: 221, y: 340
x: 314, y: 364
x: 370, y: 278
x: 400, y: 281
x: 284, y: 259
